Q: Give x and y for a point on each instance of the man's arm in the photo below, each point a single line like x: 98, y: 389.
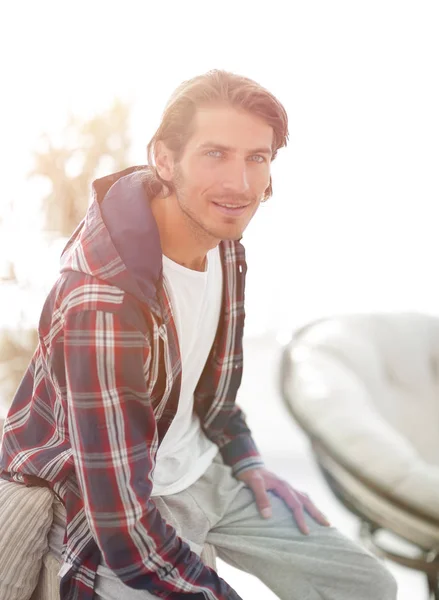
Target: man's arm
x: 236, y: 444
x: 113, y: 435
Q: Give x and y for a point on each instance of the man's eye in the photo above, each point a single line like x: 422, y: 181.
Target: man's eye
x: 258, y: 158
x: 215, y: 153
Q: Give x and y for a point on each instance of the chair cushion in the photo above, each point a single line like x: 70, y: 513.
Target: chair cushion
x: 48, y: 583
x: 25, y: 520
x: 378, y: 509
x: 367, y: 386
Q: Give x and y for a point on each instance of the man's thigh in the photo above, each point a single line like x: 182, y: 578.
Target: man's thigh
x: 322, y: 565
x: 180, y: 511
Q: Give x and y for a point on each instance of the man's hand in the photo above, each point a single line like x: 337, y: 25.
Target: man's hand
x: 261, y: 480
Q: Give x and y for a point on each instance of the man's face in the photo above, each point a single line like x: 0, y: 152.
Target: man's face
x: 224, y: 171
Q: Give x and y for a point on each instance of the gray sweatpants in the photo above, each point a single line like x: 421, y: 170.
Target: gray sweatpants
x: 217, y: 508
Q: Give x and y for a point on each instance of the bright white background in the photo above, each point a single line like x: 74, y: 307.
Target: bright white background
x: 353, y: 221
x: 352, y: 225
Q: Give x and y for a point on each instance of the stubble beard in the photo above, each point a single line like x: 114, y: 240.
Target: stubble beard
x: 199, y: 229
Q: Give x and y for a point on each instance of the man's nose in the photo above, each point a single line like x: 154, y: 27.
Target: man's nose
x: 236, y: 178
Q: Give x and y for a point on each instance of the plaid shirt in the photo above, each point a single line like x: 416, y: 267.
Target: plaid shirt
x: 103, y: 388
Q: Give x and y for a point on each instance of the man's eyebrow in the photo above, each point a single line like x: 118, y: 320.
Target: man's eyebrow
x: 206, y: 145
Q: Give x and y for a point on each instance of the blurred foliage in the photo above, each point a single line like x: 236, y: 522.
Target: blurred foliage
x: 84, y: 150
x: 7, y: 268
x: 16, y: 349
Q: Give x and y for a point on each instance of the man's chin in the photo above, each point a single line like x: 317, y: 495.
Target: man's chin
x: 229, y: 234
x: 234, y: 238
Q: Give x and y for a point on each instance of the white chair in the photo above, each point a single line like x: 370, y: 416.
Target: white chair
x: 365, y: 388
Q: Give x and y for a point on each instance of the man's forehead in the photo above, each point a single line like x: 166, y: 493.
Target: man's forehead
x: 229, y: 126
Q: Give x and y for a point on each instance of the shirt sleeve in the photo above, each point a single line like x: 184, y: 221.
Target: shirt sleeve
x: 114, y: 438
x: 236, y: 444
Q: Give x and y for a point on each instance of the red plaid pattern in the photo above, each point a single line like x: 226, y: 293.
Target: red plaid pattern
x: 95, y: 403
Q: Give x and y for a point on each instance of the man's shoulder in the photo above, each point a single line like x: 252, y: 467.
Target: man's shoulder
x: 75, y: 291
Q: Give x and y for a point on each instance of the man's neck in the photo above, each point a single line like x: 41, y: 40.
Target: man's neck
x: 181, y: 241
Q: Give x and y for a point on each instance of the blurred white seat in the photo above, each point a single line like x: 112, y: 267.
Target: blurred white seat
x: 365, y: 388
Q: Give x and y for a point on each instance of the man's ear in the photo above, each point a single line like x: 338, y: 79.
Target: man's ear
x: 164, y: 161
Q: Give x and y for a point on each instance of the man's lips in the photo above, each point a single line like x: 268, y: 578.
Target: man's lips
x: 227, y: 208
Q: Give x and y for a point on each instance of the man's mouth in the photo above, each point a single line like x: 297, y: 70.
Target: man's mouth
x: 231, y: 209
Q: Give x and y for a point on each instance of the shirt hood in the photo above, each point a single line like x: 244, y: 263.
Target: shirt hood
x: 118, y: 240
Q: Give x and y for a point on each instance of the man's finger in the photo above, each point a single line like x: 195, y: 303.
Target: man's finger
x: 299, y: 516
x: 257, y: 485
x: 293, y: 501
x: 314, y: 511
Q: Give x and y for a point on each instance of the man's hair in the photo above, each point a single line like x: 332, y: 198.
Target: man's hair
x: 215, y: 87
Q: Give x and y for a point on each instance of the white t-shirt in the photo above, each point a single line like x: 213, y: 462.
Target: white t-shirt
x: 185, y: 452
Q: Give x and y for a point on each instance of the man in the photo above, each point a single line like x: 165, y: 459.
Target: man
x: 128, y: 411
